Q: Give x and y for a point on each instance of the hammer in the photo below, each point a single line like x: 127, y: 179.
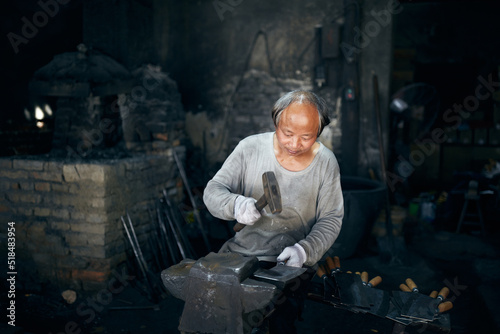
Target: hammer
x: 271, y: 197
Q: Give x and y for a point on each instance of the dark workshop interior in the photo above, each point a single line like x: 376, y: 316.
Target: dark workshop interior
x: 115, y: 114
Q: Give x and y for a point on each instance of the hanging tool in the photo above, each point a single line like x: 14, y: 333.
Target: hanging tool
x: 271, y: 197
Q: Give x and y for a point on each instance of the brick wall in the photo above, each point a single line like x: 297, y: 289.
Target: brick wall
x: 67, y: 214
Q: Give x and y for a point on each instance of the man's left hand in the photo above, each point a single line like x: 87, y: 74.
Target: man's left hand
x: 294, y: 256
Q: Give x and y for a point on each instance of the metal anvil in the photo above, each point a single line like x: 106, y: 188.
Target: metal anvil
x: 219, y: 295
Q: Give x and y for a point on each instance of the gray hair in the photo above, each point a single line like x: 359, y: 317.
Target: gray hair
x: 301, y: 96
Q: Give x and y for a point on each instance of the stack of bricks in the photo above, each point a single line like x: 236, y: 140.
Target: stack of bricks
x: 67, y: 213
x: 152, y: 113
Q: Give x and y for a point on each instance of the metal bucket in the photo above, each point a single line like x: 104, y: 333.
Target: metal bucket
x: 363, y: 201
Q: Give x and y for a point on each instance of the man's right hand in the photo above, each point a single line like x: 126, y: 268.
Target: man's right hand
x: 245, y: 211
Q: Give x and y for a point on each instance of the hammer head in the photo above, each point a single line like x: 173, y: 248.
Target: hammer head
x: 272, y: 192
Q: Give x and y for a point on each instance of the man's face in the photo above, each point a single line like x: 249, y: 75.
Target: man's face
x: 298, y: 129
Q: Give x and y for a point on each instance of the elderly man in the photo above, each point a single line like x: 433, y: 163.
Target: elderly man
x: 309, y: 179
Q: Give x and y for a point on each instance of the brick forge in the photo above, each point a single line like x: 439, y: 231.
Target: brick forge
x: 67, y: 214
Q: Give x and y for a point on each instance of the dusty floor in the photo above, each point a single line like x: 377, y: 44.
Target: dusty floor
x: 468, y: 264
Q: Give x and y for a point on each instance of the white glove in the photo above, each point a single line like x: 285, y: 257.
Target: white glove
x: 295, y: 256
x: 245, y: 211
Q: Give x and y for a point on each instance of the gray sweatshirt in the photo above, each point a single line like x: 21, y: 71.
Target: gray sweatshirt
x: 312, y: 202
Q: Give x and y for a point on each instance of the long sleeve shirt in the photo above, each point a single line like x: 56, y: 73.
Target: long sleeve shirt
x: 312, y: 201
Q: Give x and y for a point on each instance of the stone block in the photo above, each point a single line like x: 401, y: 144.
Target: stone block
x: 7, y: 185
x: 47, y: 176
x: 27, y: 164
x: 53, y: 166
x: 101, y: 203
x: 93, y: 172
x: 85, y: 188
x: 26, y: 185
x: 23, y: 211
x: 96, y: 239
x: 90, y: 275
x: 96, y: 218
x: 89, y: 228
x: 60, y: 213
x: 43, y: 259
x: 59, y: 225
x: 93, y: 252
x: 5, y: 163
x: 4, y: 208
x: 60, y: 200
x: 24, y: 197
x: 72, y: 262
x: 103, y: 265
x: 77, y: 215
x: 76, y: 239
x: 70, y: 173
x: 61, y: 187
x: 16, y: 174
x: 42, y: 186
x: 41, y: 212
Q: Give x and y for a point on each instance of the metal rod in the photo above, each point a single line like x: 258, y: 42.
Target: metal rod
x: 133, y: 247
x: 191, y: 198
x: 175, y: 219
x: 137, y: 243
x: 159, y: 242
x: 163, y: 230
x: 172, y: 228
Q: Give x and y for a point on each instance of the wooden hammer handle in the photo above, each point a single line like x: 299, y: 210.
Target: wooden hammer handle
x: 330, y: 265
x: 259, y: 205
x: 445, y: 306
x: 411, y: 285
x: 238, y: 227
x: 375, y: 281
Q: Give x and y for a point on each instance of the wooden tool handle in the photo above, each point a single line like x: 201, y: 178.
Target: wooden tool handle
x: 433, y: 294
x: 445, y: 306
x: 336, y: 260
x: 261, y: 203
x: 330, y: 264
x: 443, y: 293
x: 411, y: 285
x: 238, y: 227
x: 321, y: 271
x: 404, y: 287
x: 375, y: 281
x: 364, y: 277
